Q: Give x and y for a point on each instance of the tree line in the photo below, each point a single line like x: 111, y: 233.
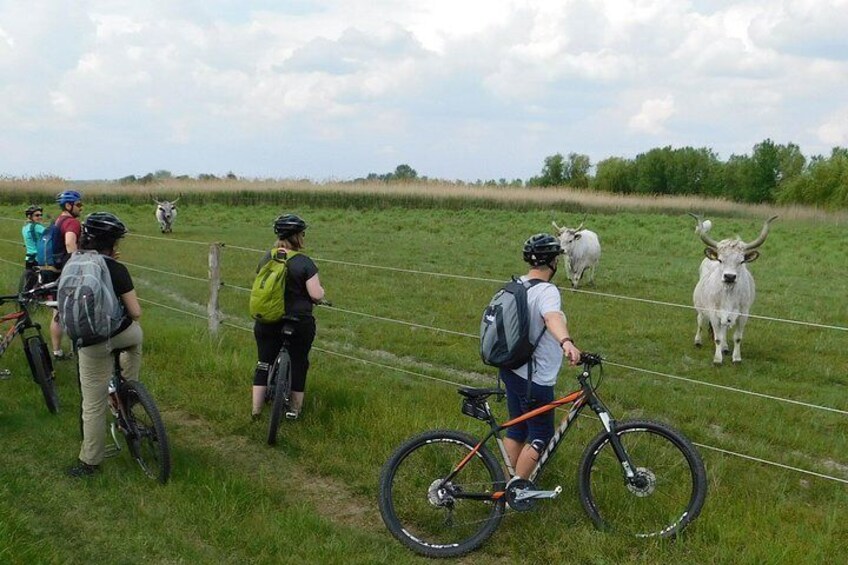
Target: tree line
x: 773, y: 173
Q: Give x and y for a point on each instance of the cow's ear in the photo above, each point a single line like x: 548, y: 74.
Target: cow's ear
x: 751, y: 256
x: 577, y: 236
x: 711, y: 254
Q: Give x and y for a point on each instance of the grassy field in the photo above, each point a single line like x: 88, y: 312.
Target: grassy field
x: 233, y: 499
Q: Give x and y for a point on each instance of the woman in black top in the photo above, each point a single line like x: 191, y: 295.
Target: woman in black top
x: 303, y: 290
x: 101, y: 232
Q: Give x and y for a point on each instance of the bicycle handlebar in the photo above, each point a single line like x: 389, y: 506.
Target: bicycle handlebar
x: 589, y: 360
x: 323, y: 302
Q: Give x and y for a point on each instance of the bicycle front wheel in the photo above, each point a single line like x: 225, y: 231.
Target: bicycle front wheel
x: 666, y: 493
x: 437, y: 518
x: 146, y: 435
x: 282, y: 394
x: 42, y: 371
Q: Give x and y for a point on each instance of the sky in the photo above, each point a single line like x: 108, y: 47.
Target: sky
x: 460, y: 89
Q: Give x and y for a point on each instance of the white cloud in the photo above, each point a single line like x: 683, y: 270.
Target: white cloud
x: 652, y: 115
x: 464, y: 87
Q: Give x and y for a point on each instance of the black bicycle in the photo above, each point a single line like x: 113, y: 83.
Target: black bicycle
x: 443, y: 493
x: 278, y: 392
x: 37, y: 354
x: 137, y: 419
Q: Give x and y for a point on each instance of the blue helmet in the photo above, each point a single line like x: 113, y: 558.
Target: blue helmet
x: 68, y: 197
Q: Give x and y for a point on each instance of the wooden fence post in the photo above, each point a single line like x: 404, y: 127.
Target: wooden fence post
x: 212, y: 309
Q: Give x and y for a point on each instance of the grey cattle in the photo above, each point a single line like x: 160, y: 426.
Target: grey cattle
x: 583, y: 251
x: 725, y: 292
x: 166, y: 213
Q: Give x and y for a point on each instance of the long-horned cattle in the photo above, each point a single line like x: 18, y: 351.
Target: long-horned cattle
x: 725, y: 292
x: 583, y: 251
x: 166, y: 213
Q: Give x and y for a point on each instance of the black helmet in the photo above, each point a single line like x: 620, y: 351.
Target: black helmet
x: 32, y: 210
x: 101, y: 226
x: 288, y: 225
x: 541, y: 249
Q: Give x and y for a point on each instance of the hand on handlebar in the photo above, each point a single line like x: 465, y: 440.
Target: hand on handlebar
x: 323, y: 302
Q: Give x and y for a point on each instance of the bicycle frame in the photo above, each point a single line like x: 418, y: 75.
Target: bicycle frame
x: 579, y: 399
x: 22, y: 322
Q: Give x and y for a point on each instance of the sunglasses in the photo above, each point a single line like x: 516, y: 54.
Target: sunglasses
x: 78, y: 205
x: 37, y: 215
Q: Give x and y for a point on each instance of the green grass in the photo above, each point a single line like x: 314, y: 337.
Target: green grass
x: 232, y: 499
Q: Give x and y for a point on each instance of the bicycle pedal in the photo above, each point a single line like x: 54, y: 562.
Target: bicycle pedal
x: 524, y: 495
x: 111, y: 451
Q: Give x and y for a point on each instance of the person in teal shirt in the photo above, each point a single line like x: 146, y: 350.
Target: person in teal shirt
x: 31, y: 232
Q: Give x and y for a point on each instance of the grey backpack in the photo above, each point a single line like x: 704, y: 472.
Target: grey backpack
x: 505, y: 328
x: 89, y: 309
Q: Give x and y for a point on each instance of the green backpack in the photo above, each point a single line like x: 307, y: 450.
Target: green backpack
x: 267, y: 303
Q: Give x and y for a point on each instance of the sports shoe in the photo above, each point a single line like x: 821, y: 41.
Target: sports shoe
x: 292, y: 415
x: 81, y: 469
x: 62, y: 356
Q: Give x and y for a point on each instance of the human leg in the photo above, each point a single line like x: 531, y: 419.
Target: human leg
x: 301, y: 344
x: 95, y: 366
x: 269, y: 340
x: 130, y: 341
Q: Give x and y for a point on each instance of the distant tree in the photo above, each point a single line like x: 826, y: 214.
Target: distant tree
x: 577, y: 171
x: 231, y: 176
x: 129, y: 179
x: 614, y: 174
x: 146, y: 179
x: 405, y: 173
x: 207, y: 177
x: 162, y: 174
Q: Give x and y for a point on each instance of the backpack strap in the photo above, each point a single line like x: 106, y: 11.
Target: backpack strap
x: 528, y: 284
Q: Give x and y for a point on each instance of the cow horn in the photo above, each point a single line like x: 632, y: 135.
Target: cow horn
x: 762, y: 237
x: 580, y: 227
x: 175, y: 201
x: 556, y: 227
x: 156, y: 201
x: 704, y: 237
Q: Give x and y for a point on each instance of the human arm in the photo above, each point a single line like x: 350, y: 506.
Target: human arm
x: 72, y: 235
x: 314, y: 288
x: 131, y: 304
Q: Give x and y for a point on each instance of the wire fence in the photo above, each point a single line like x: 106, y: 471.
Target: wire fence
x: 468, y: 335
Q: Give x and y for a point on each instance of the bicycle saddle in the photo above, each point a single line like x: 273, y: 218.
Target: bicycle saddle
x: 480, y: 393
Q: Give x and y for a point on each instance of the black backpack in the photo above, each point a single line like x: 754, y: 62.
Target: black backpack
x: 505, y: 339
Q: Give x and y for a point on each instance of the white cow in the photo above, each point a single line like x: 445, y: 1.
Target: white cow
x: 583, y: 251
x: 725, y: 292
x: 166, y: 213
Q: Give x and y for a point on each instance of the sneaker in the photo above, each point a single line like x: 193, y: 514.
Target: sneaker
x: 81, y: 469
x: 62, y: 356
x: 292, y: 415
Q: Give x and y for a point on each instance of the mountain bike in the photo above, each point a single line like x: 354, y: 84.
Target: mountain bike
x: 443, y: 493
x: 278, y: 392
x: 37, y: 354
x: 137, y: 419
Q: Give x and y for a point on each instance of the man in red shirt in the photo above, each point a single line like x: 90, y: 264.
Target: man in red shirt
x: 70, y: 202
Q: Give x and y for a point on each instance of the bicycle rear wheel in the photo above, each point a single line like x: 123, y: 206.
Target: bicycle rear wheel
x: 282, y: 394
x: 42, y: 371
x: 665, y: 496
x: 146, y: 437
x: 439, y: 519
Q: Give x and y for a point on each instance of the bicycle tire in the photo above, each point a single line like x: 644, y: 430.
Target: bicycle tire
x: 145, y: 434
x: 673, y: 484
x: 406, y: 496
x: 282, y: 394
x: 42, y: 371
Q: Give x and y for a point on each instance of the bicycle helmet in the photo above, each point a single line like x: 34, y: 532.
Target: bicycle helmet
x: 101, y: 226
x: 32, y: 210
x: 288, y: 225
x: 541, y: 249
x: 68, y: 197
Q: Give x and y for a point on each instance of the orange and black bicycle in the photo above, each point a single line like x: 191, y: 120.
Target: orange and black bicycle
x: 37, y: 354
x: 443, y: 493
